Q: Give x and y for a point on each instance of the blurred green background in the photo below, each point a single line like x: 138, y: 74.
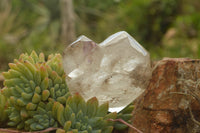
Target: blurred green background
x: 166, y: 28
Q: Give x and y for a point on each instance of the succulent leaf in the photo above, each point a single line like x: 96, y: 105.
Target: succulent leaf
x: 3, y: 106
x: 102, y: 110
x: 126, y: 115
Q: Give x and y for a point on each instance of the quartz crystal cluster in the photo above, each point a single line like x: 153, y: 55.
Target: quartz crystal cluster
x: 117, y: 70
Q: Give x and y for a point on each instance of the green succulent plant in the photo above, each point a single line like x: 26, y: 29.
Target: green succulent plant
x: 126, y: 115
x: 3, y: 107
x: 42, y: 115
x: 78, y: 116
x: 31, y: 86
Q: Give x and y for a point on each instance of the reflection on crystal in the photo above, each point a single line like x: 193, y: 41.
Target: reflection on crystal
x: 117, y: 70
x: 75, y: 73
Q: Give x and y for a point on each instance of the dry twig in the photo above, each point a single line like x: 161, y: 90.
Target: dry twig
x: 122, y: 121
x: 15, y: 131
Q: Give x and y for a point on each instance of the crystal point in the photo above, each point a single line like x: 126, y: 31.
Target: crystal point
x: 117, y: 70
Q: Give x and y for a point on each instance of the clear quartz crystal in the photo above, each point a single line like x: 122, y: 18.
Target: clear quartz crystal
x: 117, y: 70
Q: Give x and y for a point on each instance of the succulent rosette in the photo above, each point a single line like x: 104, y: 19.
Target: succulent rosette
x: 31, y: 86
x: 78, y: 116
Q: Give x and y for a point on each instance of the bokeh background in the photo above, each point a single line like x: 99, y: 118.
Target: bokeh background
x: 166, y: 28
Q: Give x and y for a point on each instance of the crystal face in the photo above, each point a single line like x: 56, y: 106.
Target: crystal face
x: 117, y: 70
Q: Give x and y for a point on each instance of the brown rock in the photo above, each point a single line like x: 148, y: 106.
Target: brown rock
x: 164, y: 106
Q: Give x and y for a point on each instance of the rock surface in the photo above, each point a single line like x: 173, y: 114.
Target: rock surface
x: 117, y: 70
x: 164, y: 106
